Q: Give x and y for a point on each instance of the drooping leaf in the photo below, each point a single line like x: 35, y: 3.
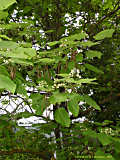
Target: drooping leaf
x: 91, y: 102
x: 62, y: 117
x: 3, y: 71
x: 91, y: 54
x: 89, y: 43
x: 7, y: 83
x: 73, y: 107
x: 93, y: 68
x: 89, y: 80
x: 20, y: 87
x: 53, y: 43
x: 38, y: 103
x: 104, y: 34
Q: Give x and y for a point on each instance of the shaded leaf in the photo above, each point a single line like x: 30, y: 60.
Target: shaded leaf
x: 38, y: 103
x: 3, y: 14
x: 93, y: 68
x: 73, y: 107
x: 91, y: 102
x: 104, y: 139
x: 62, y: 117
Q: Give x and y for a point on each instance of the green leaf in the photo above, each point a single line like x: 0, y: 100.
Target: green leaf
x: 21, y: 61
x: 91, y: 54
x: 25, y: 53
x: 91, y: 102
x: 73, y: 107
x: 78, y: 82
x: 89, y: 80
x: 58, y: 98
x: 45, y: 61
x: 3, y: 71
x: 62, y: 117
x: 23, y: 114
x: 100, y: 155
x: 104, y: 34
x: 19, y: 53
x: 76, y: 97
x: 8, y: 44
x: 104, y: 139
x: 77, y: 36
x: 3, y: 15
x: 6, y: 3
x: 89, y: 43
x: 38, y: 103
x: 5, y: 37
x: 7, y: 83
x: 79, y: 57
x: 93, y: 68
x: 53, y: 43
x: 20, y: 88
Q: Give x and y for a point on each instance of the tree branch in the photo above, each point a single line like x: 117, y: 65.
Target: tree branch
x: 108, y: 15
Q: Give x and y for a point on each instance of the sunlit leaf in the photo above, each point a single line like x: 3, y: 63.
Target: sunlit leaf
x: 91, y: 54
x: 53, y: 43
x: 104, y: 34
x: 89, y: 43
x: 5, y: 4
x: 19, y: 53
x: 8, y: 45
x: 5, y: 37
x: 7, y: 83
x: 78, y: 36
x: 58, y: 98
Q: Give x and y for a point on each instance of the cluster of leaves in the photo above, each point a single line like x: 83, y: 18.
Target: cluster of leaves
x: 75, y: 73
